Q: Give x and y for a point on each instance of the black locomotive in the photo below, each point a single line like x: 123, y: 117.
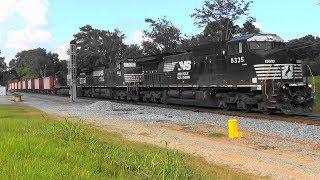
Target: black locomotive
x: 249, y: 72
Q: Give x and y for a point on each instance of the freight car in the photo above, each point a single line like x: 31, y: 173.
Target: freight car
x: 45, y: 85
x: 249, y: 72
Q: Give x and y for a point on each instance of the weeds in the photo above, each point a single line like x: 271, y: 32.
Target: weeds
x: 37, y: 146
x: 216, y: 134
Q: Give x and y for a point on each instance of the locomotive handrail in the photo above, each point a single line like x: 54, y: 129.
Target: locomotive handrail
x: 314, y: 82
x: 265, y: 82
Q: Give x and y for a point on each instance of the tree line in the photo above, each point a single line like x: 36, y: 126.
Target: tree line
x: 98, y: 47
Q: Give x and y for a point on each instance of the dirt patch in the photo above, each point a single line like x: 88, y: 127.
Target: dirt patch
x: 292, y: 160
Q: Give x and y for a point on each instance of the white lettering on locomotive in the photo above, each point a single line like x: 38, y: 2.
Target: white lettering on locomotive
x: 183, y: 75
x: 270, y: 61
x: 237, y: 60
x: 183, y: 66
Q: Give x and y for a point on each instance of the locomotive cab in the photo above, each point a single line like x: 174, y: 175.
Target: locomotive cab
x: 262, y: 62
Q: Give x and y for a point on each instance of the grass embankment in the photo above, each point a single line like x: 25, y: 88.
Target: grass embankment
x: 38, y: 146
x: 317, y: 102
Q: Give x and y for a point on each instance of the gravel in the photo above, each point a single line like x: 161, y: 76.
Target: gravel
x: 103, y: 110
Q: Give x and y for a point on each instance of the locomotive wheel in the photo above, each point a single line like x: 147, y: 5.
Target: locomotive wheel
x: 268, y: 111
x: 247, y: 108
x: 241, y: 105
x: 227, y: 107
x: 115, y: 96
x: 123, y: 98
x: 136, y: 98
x: 163, y: 100
x: 145, y: 99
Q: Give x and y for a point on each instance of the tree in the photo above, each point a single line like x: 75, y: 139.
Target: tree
x: 99, y: 47
x: 217, y: 29
x: 35, y: 63
x: 306, y: 48
x: 3, y: 65
x: 221, y: 15
x: 3, y: 69
x: 249, y: 27
x: 163, y: 37
x: 133, y: 50
x: 217, y: 10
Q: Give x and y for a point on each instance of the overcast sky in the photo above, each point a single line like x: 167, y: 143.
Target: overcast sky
x: 26, y: 24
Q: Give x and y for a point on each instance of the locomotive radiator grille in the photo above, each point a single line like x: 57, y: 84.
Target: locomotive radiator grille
x: 278, y: 71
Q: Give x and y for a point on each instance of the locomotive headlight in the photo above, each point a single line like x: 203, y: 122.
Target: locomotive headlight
x: 284, y: 87
x: 310, y: 85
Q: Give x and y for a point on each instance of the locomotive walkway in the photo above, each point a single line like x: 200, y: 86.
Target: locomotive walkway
x: 284, y: 150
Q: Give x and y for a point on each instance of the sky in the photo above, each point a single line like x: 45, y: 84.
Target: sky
x: 50, y: 24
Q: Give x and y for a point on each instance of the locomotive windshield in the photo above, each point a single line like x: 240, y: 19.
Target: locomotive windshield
x: 265, y: 42
x: 266, y: 45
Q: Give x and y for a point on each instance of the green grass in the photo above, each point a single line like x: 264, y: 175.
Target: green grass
x: 216, y: 134
x: 34, y: 145
x: 317, y: 101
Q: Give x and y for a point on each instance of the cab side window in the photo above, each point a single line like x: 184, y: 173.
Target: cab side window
x: 235, y: 48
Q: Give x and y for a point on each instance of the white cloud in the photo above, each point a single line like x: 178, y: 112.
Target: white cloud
x: 7, y: 8
x: 33, y: 11
x: 33, y: 14
x: 62, y: 51
x: 136, y: 37
x: 23, y: 39
x: 258, y: 25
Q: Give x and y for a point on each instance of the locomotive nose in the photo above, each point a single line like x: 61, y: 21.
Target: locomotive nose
x: 280, y: 56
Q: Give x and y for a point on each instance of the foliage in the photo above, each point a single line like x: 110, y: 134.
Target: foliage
x: 217, y: 10
x: 37, y: 146
x: 249, y: 27
x: 305, y: 39
x: 3, y: 65
x: 3, y: 69
x: 163, y: 37
x: 307, y: 48
x: 35, y: 63
x: 317, y: 87
x: 212, y: 32
x: 219, y: 16
x: 216, y: 134
x: 101, y: 47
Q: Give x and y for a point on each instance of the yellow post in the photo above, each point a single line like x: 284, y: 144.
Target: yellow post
x: 233, y: 129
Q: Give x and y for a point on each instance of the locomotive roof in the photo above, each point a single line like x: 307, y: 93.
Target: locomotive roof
x: 257, y: 37
x: 150, y: 57
x: 242, y: 38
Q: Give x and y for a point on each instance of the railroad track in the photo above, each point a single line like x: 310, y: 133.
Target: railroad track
x: 310, y: 119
